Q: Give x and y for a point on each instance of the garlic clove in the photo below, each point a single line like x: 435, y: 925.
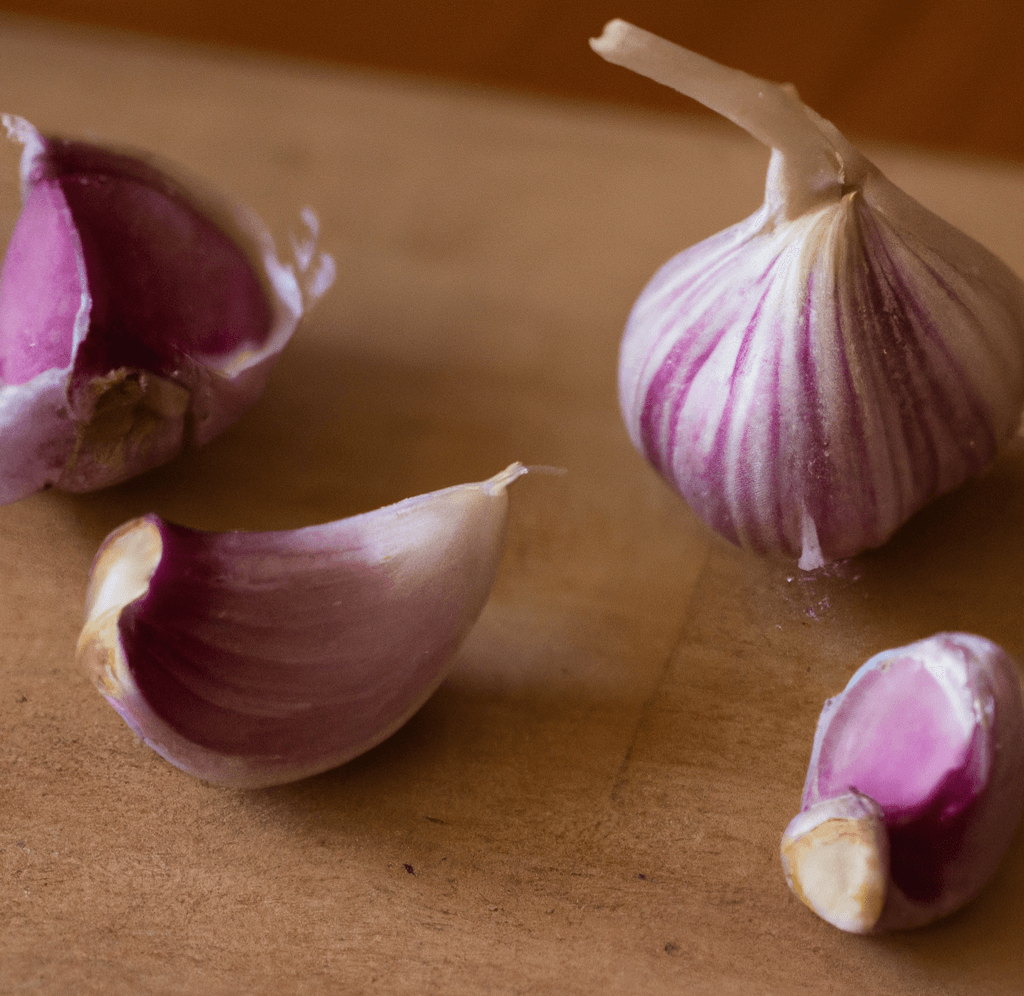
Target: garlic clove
x: 916, y: 781
x: 254, y: 659
x: 139, y: 314
x: 812, y: 376
x: 835, y: 856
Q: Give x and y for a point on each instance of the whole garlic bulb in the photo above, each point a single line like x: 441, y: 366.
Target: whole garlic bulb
x: 811, y: 377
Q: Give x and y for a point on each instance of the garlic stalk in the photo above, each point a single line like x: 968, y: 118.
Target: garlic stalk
x: 138, y: 315
x: 915, y: 786
x: 253, y: 659
x: 812, y: 376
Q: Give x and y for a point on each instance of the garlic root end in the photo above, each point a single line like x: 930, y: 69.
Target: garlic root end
x: 120, y: 574
x: 835, y: 856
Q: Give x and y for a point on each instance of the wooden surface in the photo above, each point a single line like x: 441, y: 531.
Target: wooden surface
x: 944, y: 74
x: 593, y: 802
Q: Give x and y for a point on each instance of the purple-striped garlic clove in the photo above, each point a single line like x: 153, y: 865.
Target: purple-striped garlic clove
x: 915, y: 787
x: 811, y: 377
x: 254, y: 659
x: 138, y: 315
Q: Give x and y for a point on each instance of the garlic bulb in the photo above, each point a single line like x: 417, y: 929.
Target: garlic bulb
x: 137, y: 316
x: 253, y: 659
x: 812, y: 376
x: 915, y: 786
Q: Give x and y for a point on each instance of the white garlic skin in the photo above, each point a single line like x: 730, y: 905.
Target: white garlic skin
x: 811, y: 377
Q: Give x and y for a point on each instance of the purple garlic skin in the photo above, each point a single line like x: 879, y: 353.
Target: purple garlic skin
x: 915, y: 787
x: 812, y: 376
x: 255, y: 659
x: 138, y: 316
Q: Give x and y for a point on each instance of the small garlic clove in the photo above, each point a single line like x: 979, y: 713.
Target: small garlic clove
x: 835, y: 856
x: 928, y: 738
x: 139, y: 314
x: 812, y: 376
x: 254, y: 659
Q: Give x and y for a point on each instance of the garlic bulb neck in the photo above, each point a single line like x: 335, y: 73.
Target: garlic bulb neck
x: 813, y: 161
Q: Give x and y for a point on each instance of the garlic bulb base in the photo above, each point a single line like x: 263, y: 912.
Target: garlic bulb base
x: 811, y: 557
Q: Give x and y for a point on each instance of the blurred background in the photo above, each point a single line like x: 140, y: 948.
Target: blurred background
x: 940, y: 74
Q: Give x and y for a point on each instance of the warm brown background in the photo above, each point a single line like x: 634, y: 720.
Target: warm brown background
x: 592, y: 803
x: 941, y: 73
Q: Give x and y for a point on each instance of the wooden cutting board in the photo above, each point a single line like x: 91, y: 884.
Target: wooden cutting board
x: 593, y: 801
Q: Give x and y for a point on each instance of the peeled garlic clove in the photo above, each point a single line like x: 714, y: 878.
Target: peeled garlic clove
x: 253, y: 659
x: 810, y: 377
x: 137, y: 315
x: 915, y: 786
x: 835, y: 856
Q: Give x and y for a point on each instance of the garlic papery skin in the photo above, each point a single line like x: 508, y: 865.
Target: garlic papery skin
x: 252, y: 659
x: 915, y: 786
x: 812, y: 376
x: 139, y: 314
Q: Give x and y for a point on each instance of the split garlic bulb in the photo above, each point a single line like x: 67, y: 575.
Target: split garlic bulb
x: 811, y: 377
x: 138, y: 315
x: 915, y: 787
